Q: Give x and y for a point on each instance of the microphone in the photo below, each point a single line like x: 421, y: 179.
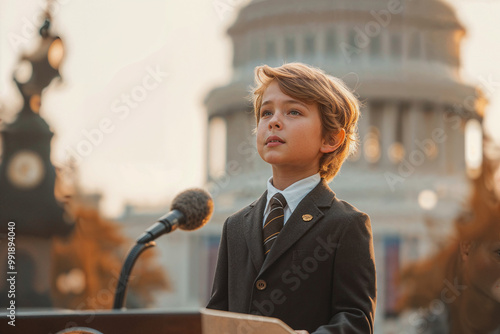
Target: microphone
x: 191, y: 209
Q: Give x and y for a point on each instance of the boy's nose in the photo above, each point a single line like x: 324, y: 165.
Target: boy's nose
x: 275, y: 121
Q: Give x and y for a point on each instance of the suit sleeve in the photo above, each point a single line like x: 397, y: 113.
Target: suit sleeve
x: 354, y: 282
x: 219, y: 297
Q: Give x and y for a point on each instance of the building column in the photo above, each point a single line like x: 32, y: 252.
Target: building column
x: 460, y: 148
x: 363, y: 128
x: 280, y: 46
x: 424, y: 142
x: 388, y: 131
x: 411, y: 122
x: 441, y: 140
x: 454, y: 143
x: 299, y: 45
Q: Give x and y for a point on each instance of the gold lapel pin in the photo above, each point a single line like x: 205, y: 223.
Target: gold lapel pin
x: 307, y: 217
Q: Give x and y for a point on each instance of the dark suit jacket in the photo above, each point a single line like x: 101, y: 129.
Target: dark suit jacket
x: 319, y: 275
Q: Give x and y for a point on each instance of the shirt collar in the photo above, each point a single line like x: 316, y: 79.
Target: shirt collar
x: 295, y: 192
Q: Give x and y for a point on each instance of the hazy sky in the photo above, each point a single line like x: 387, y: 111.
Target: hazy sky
x: 144, y: 67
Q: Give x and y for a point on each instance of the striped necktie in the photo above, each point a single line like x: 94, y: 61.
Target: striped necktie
x: 274, y: 221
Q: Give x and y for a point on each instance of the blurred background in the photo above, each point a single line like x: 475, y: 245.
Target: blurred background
x: 151, y: 100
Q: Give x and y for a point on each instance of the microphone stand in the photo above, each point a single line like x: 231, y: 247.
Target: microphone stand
x: 121, y: 287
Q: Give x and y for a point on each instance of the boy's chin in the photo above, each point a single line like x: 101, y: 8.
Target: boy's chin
x: 273, y: 159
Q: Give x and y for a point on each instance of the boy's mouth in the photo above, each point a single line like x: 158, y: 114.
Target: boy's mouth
x: 274, y: 140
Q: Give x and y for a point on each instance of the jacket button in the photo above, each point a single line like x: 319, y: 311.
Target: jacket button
x: 261, y: 284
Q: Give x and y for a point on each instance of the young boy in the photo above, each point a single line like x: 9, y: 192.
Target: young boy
x: 298, y: 253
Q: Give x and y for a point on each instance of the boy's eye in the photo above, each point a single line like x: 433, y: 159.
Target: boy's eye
x: 265, y: 113
x: 294, y: 112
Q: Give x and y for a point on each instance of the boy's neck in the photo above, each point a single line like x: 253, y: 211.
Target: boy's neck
x: 284, y: 179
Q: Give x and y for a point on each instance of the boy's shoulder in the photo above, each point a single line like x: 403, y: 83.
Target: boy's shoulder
x: 347, y: 207
x: 347, y: 213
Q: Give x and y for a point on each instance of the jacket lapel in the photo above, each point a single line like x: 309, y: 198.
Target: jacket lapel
x: 297, y: 225
x: 253, y: 230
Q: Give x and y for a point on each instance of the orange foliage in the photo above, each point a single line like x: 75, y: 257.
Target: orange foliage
x: 97, y: 250
x: 423, y: 281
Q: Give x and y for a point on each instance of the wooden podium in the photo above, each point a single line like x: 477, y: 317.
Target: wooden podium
x: 221, y: 322
x: 142, y: 321
x: 106, y: 322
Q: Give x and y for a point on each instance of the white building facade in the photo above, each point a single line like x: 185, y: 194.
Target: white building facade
x: 402, y: 59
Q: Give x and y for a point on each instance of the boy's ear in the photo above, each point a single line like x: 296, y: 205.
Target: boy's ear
x: 465, y: 249
x: 333, y: 142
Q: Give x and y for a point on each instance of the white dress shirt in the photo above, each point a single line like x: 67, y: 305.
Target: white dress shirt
x: 293, y: 194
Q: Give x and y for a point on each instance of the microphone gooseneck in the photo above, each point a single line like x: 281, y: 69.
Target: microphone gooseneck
x: 191, y: 209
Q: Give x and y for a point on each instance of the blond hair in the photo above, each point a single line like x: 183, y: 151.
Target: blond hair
x: 337, y: 105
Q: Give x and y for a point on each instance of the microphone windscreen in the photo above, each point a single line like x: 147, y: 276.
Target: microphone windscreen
x: 196, y: 205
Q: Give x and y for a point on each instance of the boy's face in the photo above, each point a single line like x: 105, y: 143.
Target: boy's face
x: 289, y: 133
